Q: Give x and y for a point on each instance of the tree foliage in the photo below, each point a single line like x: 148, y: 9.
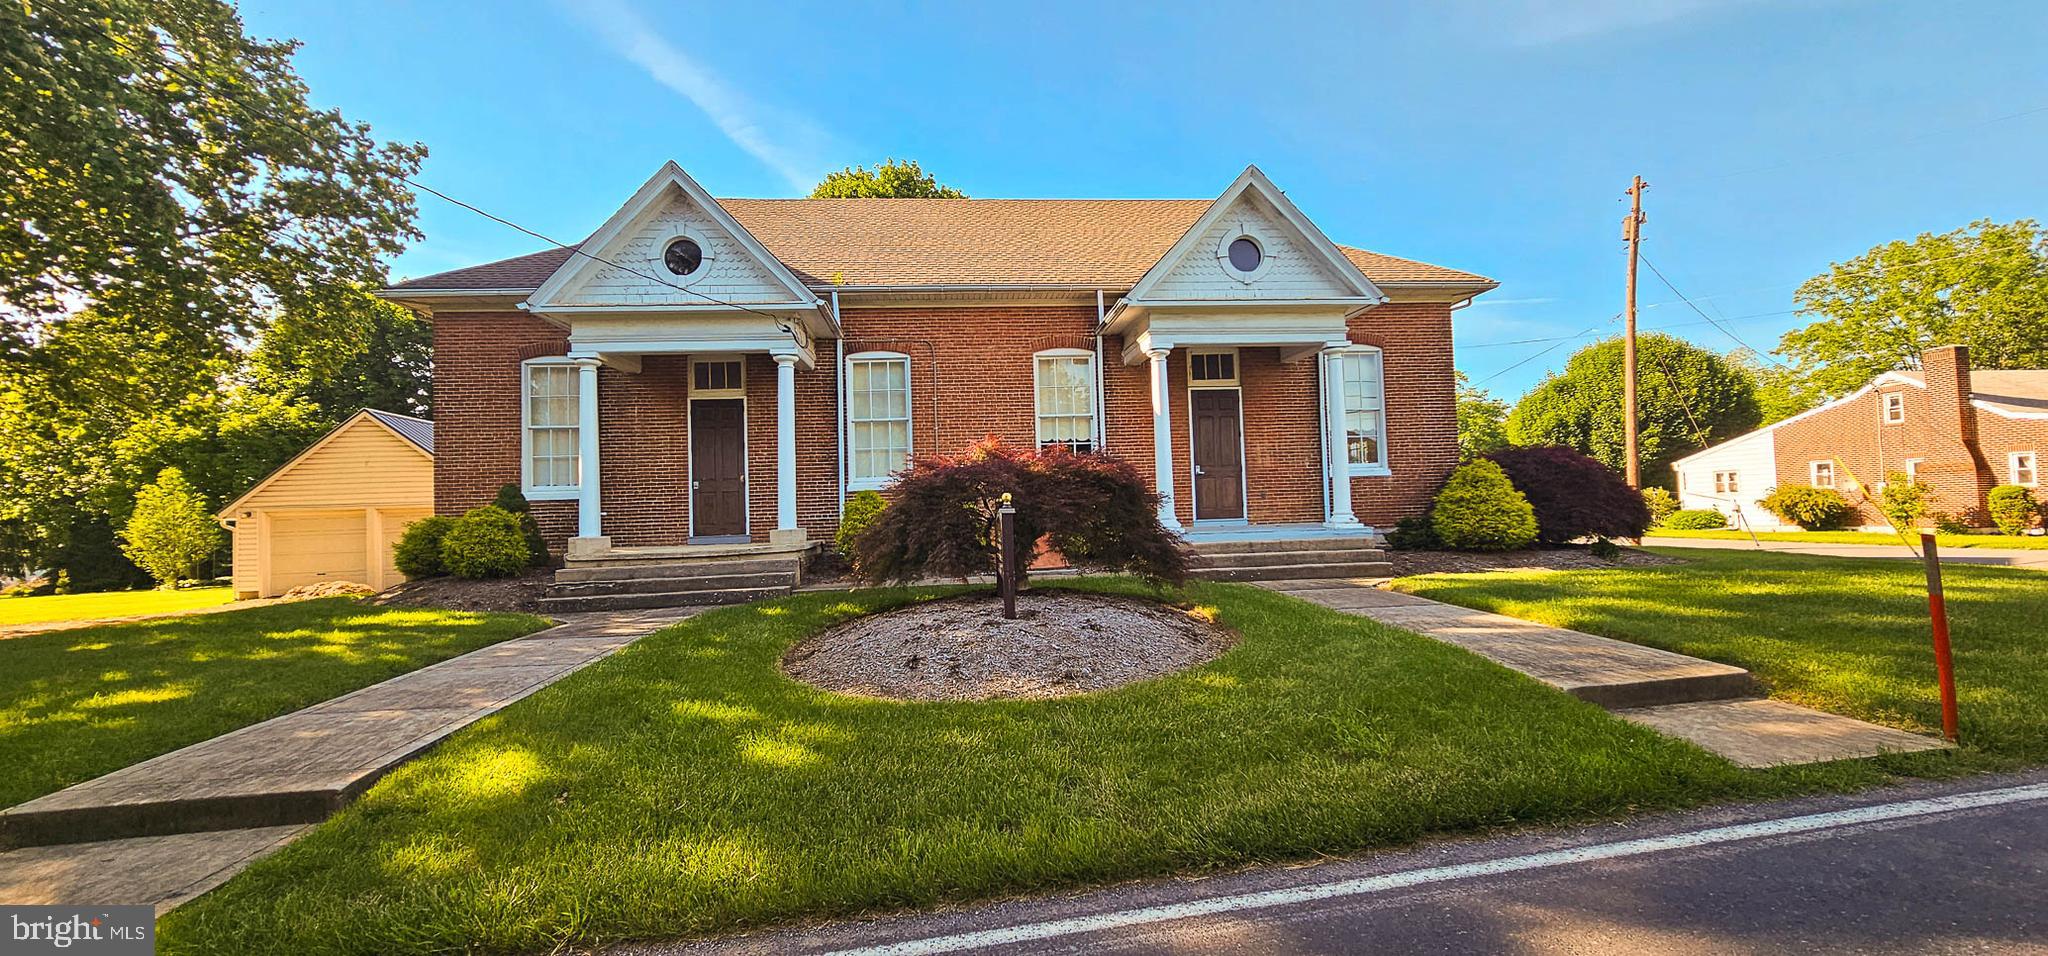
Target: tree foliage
x: 1984, y: 286
x: 1482, y: 420
x: 890, y: 179
x: 170, y: 530
x: 1574, y: 496
x: 1687, y: 398
x: 1094, y: 509
x: 170, y: 170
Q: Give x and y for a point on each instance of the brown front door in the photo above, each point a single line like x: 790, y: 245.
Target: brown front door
x: 718, y: 467
x: 1219, y: 454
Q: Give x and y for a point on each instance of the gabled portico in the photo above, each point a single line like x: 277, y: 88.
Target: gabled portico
x: 1252, y: 272
x: 673, y: 274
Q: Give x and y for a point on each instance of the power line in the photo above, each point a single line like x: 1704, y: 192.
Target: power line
x: 1588, y: 331
x: 1647, y: 328
x: 1659, y: 273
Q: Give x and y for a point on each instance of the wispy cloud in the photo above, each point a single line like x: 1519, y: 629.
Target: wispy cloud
x: 1541, y: 22
x: 1497, y: 303
x: 784, y: 141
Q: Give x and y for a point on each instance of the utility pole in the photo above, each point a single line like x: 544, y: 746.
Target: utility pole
x: 1632, y: 232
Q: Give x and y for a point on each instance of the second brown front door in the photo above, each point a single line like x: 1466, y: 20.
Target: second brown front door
x: 1219, y: 454
x: 718, y: 467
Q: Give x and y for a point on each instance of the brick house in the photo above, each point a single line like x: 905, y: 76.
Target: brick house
x: 716, y: 372
x: 1961, y: 432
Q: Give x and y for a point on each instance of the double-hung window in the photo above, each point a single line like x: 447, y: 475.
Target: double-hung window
x: 1724, y: 482
x: 1894, y: 407
x: 550, y: 415
x: 1365, y: 404
x: 1822, y: 473
x: 2021, y: 464
x: 1064, y: 383
x: 877, y: 417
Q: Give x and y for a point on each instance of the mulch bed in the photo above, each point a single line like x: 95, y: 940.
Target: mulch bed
x: 522, y: 593
x: 1543, y: 559
x: 1061, y: 643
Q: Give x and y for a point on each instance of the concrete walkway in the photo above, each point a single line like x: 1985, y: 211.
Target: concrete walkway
x: 1713, y: 705
x: 2004, y: 557
x: 169, y: 828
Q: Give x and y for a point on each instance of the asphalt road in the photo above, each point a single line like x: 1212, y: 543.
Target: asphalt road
x: 1960, y: 867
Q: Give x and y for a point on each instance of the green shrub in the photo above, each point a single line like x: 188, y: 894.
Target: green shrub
x: 511, y: 499
x: 418, y: 551
x: 1661, y: 504
x: 2012, y: 508
x: 1695, y: 519
x: 1480, y: 510
x: 1604, y: 549
x: 1814, y: 509
x: 1948, y: 523
x: 1413, y: 533
x: 862, y: 511
x: 485, y: 543
x: 1903, y: 500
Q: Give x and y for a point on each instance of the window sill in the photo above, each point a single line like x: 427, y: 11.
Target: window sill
x: 551, y: 494
x: 868, y: 484
x: 1371, y: 471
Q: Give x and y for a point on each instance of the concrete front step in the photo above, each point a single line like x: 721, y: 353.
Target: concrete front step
x: 628, y: 602
x: 1291, y: 555
x: 1284, y: 572
x: 1207, y: 547
x: 671, y: 568
x: 664, y: 585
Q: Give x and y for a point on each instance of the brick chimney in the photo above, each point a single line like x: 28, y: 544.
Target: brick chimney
x: 1950, y: 414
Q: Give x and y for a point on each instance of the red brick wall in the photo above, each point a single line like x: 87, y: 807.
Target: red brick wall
x: 971, y: 376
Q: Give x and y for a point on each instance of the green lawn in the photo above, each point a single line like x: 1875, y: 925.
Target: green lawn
x: 1841, y: 635
x: 1864, y: 537
x: 684, y: 786
x: 88, y: 607
x: 79, y: 703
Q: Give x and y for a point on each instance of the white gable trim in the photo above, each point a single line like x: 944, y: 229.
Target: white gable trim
x: 579, y: 264
x: 1251, y: 179
x: 348, y: 424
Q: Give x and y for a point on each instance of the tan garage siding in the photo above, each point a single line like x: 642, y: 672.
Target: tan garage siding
x: 333, y: 513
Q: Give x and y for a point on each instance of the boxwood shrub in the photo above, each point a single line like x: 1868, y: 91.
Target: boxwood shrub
x: 2012, y: 508
x: 1480, y: 510
x: 1574, y: 496
x: 418, y: 551
x: 487, y: 542
x: 1814, y: 509
x: 862, y: 510
x: 1695, y: 519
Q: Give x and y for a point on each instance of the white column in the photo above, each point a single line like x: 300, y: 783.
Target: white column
x: 589, y: 520
x: 1337, y: 463
x: 1162, y: 437
x: 785, y: 446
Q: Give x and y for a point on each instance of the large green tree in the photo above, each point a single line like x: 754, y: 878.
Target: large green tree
x: 1984, y: 286
x: 1687, y: 398
x: 184, y: 285
x: 161, y: 165
x: 891, y: 179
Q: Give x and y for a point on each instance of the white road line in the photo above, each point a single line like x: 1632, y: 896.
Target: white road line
x: 1830, y: 820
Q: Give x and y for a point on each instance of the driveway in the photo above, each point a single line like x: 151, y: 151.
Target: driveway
x: 2008, y: 557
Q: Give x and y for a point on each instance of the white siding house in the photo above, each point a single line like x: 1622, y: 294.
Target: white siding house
x: 1731, y: 478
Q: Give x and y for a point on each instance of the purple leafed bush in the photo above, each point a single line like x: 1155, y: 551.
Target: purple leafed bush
x: 941, y: 521
x: 1574, y: 495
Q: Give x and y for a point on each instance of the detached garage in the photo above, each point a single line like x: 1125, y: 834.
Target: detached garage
x: 333, y: 512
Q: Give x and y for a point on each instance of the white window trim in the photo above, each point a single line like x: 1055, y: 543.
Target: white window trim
x: 660, y: 267
x: 1383, y: 468
x: 1094, y: 403
x: 526, y: 486
x: 1813, y: 473
x: 1258, y: 237
x: 1236, y: 368
x: 718, y: 359
x: 1894, y: 401
x: 2012, y: 468
x: 909, y: 416
x: 1912, y: 468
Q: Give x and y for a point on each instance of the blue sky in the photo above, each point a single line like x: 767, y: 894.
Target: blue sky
x: 1494, y: 137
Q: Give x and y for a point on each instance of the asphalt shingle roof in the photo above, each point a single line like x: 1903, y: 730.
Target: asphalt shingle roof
x: 1106, y: 243
x: 2012, y: 389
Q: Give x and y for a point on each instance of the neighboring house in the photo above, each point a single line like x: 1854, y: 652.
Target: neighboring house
x: 718, y: 371
x: 333, y: 512
x: 1961, y: 432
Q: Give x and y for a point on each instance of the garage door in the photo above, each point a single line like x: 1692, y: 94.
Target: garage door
x: 395, y: 520
x: 312, y: 547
